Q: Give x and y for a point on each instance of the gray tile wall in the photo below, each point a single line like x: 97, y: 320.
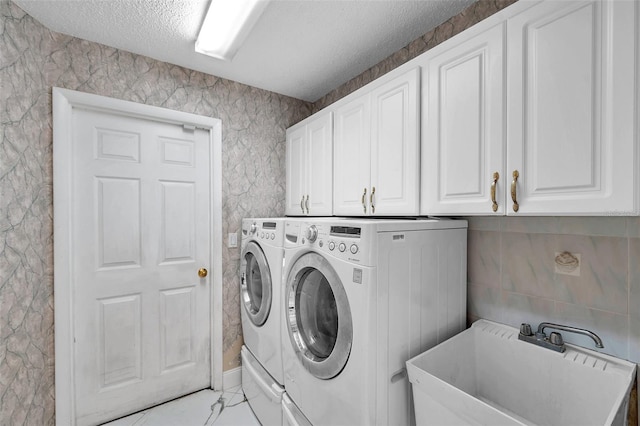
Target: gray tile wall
x: 512, y: 277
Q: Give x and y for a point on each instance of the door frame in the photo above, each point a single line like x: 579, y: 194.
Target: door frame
x: 64, y: 101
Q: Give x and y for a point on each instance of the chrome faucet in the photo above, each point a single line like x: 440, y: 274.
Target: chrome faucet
x: 594, y: 336
x: 554, y: 341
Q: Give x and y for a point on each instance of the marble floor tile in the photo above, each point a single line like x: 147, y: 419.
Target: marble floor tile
x: 203, y: 408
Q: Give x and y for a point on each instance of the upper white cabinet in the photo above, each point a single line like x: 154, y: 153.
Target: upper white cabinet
x: 309, y: 167
x: 463, y: 132
x: 566, y: 103
x: 376, y: 151
x: 352, y: 157
x: 570, y: 108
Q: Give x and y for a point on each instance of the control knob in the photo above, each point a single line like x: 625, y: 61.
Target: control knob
x: 312, y: 233
x: 253, y: 229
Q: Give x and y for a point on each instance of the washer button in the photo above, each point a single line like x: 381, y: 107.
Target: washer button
x: 353, y: 248
x: 332, y: 245
x: 321, y: 244
x: 273, y: 236
x: 342, y: 247
x: 262, y: 235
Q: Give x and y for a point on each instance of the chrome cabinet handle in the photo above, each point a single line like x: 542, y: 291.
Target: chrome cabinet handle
x: 302, y: 204
x: 364, y: 202
x: 306, y: 203
x: 514, y: 197
x: 373, y: 206
x: 494, y: 204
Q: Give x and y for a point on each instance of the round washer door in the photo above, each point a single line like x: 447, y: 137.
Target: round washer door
x: 318, y: 316
x: 255, y: 284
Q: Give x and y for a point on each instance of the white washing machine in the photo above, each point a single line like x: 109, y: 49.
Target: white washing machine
x: 361, y: 297
x: 261, y: 313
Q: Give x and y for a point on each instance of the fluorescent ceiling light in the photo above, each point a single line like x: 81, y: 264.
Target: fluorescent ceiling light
x: 226, y: 26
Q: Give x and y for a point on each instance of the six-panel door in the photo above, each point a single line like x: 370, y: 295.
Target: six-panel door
x: 140, y: 232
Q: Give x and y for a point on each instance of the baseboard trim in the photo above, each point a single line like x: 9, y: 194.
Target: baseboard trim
x: 232, y: 378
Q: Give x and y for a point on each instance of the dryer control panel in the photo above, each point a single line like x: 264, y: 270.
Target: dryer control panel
x: 340, y: 240
x: 267, y: 230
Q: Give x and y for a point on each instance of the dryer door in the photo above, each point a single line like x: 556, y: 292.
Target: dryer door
x: 318, y: 316
x: 255, y: 284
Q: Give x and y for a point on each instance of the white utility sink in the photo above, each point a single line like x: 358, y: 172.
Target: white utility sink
x: 486, y: 376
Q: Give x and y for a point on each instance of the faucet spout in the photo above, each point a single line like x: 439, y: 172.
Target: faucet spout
x: 594, y: 336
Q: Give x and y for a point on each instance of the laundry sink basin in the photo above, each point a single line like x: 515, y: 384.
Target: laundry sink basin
x: 486, y: 376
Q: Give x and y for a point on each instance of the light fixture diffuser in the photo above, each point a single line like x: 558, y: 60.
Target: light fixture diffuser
x: 226, y: 26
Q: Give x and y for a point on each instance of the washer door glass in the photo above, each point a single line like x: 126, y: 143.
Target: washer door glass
x: 255, y: 284
x: 319, y: 317
x: 317, y: 313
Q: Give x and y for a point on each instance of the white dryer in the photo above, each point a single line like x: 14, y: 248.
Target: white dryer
x: 261, y: 314
x: 362, y: 297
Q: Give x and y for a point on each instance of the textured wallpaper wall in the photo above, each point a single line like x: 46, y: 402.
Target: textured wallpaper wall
x: 32, y: 60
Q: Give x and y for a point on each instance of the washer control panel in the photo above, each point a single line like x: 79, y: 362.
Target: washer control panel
x: 338, y: 240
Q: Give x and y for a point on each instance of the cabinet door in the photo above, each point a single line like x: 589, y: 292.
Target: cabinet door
x: 570, y: 105
x: 295, y: 170
x: 352, y: 158
x: 318, y: 166
x: 395, y: 150
x: 463, y: 116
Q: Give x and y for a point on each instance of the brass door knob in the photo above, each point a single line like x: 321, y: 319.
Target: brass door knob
x: 202, y: 272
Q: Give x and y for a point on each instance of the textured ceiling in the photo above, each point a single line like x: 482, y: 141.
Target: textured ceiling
x: 299, y: 48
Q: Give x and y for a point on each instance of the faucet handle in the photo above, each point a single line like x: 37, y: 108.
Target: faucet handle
x: 555, y: 338
x: 525, y: 329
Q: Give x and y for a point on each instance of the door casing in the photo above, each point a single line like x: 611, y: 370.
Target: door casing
x: 64, y: 101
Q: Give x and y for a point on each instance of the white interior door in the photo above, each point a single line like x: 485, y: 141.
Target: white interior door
x: 140, y: 231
